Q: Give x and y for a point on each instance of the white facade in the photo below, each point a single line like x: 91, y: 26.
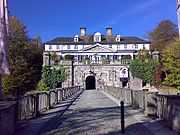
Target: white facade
x: 115, y: 47
x: 96, y: 47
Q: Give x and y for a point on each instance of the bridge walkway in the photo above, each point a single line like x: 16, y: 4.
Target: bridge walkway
x: 96, y: 113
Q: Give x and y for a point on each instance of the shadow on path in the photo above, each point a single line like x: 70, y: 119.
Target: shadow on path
x: 93, y: 114
x: 34, y: 126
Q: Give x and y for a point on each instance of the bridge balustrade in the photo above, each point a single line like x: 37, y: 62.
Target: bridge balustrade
x: 32, y: 105
x: 165, y: 107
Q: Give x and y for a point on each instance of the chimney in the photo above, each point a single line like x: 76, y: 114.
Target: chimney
x: 109, y: 31
x: 82, y: 31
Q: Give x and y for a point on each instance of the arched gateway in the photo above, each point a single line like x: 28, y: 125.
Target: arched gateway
x: 90, y: 83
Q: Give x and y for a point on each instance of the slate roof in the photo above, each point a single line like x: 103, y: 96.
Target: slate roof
x: 89, y: 40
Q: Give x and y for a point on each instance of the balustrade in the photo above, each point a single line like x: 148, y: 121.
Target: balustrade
x: 32, y: 105
x: 165, y: 107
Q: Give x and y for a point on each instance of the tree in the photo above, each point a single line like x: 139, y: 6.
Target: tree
x: 143, y: 67
x: 163, y: 34
x: 161, y: 37
x: 25, y: 61
x: 171, y: 63
x: 52, y: 76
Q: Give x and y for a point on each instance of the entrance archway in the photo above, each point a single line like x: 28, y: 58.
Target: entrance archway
x: 90, y: 83
x: 124, y: 82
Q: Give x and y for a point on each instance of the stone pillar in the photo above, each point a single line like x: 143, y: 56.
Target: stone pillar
x: 119, y: 57
x: 132, y: 56
x: 45, y: 59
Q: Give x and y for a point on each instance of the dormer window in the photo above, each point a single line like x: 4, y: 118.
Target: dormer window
x: 97, y: 37
x: 76, y: 38
x: 136, y: 46
x: 125, y: 46
x: 118, y: 38
x: 57, y: 47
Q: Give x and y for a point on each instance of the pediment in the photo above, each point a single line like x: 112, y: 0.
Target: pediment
x: 97, y: 48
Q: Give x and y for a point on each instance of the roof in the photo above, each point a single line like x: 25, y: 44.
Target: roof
x: 89, y: 40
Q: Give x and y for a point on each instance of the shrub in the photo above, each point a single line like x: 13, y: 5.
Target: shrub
x: 42, y: 86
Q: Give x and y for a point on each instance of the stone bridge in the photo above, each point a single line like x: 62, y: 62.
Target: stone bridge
x: 75, y: 111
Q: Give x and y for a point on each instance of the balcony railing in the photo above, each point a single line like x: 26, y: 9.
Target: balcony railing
x: 93, y: 62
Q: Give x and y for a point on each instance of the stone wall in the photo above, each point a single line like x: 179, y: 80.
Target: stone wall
x: 135, y: 83
x: 164, y: 107
x: 106, y: 75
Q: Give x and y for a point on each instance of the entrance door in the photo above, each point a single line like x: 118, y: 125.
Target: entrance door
x: 90, y: 83
x: 124, y: 82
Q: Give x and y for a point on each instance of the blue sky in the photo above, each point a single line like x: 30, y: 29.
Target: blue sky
x: 53, y: 18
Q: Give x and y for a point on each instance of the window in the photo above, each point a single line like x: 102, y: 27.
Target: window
x: 57, y: 47
x: 76, y: 47
x: 136, y: 46
x: 110, y: 75
x: 115, y: 76
x: 97, y: 37
x: 76, y: 38
x: 50, y: 47
x: 118, y: 47
x: 110, y: 46
x: 125, y: 46
x: 118, y: 38
x: 115, y: 57
x: 143, y: 46
x: 68, y: 47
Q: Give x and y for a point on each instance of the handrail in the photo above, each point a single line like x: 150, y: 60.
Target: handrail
x: 33, y: 104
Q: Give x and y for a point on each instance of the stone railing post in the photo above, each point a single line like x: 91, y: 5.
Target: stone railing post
x: 146, y: 102
x: 37, y: 113
x: 49, y: 100
x: 56, y: 96
x: 132, y: 98
x: 17, y: 108
x: 145, y: 91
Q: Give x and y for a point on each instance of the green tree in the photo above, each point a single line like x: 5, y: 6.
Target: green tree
x: 163, y: 34
x: 171, y: 63
x: 42, y: 86
x: 25, y: 60
x: 52, y: 76
x: 143, y: 67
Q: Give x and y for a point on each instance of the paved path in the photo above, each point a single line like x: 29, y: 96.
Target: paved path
x: 93, y: 113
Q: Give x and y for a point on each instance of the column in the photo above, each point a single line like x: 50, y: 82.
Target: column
x: 119, y: 57
x: 132, y: 56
